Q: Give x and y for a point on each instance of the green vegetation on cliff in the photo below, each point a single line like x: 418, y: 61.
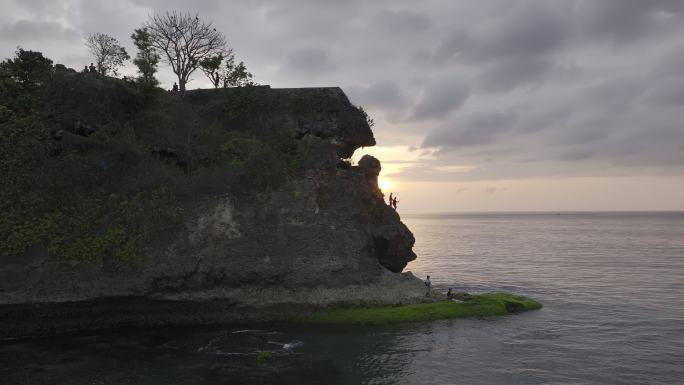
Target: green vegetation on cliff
x: 480, y: 305
x: 93, y: 166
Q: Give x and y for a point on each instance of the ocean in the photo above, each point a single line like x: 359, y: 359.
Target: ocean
x: 612, y: 286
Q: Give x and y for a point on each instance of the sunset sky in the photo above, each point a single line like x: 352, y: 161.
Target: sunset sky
x: 479, y: 105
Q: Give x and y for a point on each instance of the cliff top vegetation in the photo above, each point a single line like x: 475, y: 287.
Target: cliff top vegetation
x: 93, y: 165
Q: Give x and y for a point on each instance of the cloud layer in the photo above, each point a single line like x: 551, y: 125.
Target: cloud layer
x: 488, y: 90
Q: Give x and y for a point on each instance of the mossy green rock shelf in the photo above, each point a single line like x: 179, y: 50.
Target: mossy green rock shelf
x: 480, y: 305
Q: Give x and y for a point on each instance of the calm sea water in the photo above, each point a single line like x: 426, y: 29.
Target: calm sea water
x: 612, y: 285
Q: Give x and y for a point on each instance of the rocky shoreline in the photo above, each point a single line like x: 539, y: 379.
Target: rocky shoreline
x: 248, y: 305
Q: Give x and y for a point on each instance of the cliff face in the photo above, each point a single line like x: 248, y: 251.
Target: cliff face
x: 254, y: 204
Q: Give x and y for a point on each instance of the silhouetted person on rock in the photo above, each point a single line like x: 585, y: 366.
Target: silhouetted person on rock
x: 92, y: 69
x: 428, y: 285
x: 394, y: 203
x: 174, y: 89
x: 390, y: 200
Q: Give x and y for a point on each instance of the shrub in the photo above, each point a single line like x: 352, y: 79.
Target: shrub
x: 369, y: 120
x: 265, y: 164
x: 263, y: 357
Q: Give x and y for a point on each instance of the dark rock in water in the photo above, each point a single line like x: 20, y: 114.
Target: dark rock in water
x: 234, y: 234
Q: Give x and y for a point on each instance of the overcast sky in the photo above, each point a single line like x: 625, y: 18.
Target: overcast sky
x: 479, y: 105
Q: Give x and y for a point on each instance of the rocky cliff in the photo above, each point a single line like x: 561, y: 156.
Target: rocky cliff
x: 223, y: 205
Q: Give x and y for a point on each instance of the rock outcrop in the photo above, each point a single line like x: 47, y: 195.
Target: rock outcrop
x: 322, y: 235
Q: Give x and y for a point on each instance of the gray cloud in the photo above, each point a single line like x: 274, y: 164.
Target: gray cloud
x: 455, y: 43
x: 440, y: 98
x: 474, y: 130
x: 626, y: 21
x: 42, y: 7
x: 512, y: 48
x: 382, y: 94
x: 506, y: 74
x: 534, y: 29
x: 549, y: 119
x: 615, y: 95
x: 402, y: 21
x: 37, y: 31
x: 669, y: 93
x: 308, y: 61
x: 584, y: 133
x: 575, y: 154
x: 669, y: 65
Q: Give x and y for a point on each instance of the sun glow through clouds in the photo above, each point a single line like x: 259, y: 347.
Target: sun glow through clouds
x: 385, y: 184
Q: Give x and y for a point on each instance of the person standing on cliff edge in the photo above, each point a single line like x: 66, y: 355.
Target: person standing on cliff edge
x: 390, y: 200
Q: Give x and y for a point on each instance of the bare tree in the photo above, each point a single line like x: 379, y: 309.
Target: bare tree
x: 185, y: 41
x: 109, y: 55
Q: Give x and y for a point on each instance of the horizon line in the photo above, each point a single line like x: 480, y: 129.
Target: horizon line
x: 548, y: 212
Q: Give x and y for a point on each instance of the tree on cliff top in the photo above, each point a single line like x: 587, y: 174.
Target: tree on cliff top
x: 237, y: 75
x: 232, y: 75
x: 211, y: 66
x: 109, y: 54
x: 147, y: 58
x: 28, y: 68
x: 185, y: 42
x: 19, y: 77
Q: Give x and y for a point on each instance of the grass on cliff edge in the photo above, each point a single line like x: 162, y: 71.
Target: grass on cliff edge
x: 473, y: 306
